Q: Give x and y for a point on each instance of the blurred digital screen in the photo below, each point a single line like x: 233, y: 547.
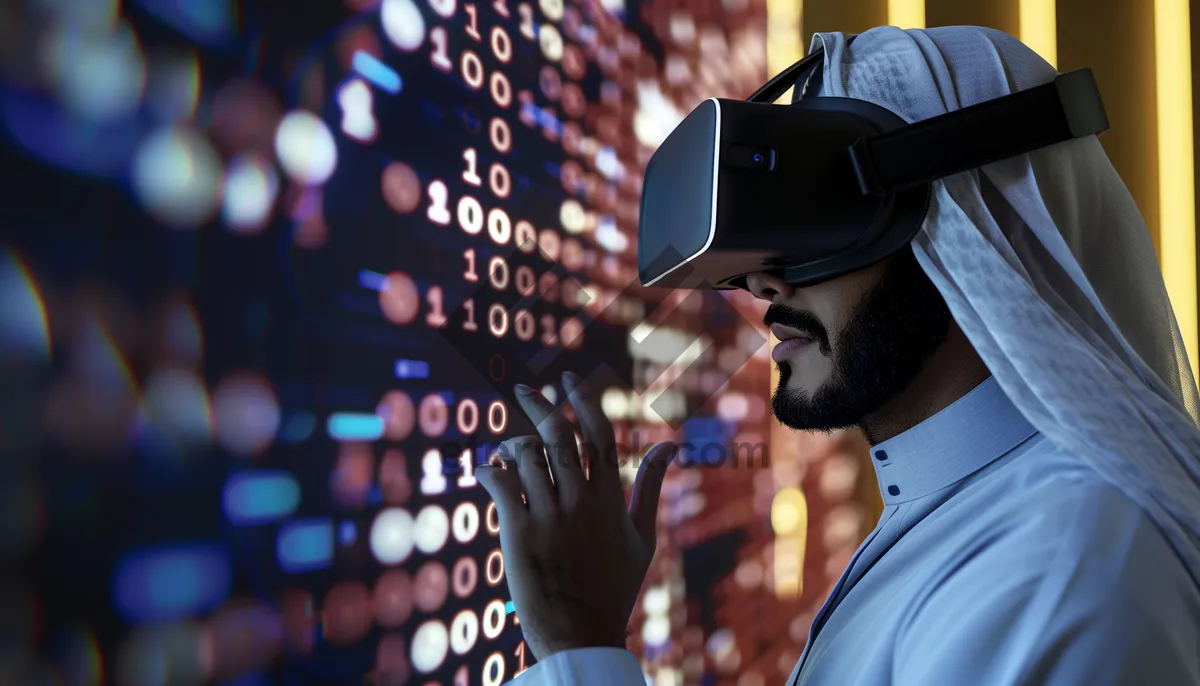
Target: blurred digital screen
x: 270, y: 272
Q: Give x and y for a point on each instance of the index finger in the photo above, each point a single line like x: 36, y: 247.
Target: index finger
x: 559, y: 438
x: 598, y: 435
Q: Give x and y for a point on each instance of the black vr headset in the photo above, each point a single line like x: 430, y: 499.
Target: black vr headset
x: 825, y: 186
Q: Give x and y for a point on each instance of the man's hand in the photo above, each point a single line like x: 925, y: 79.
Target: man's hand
x: 574, y: 556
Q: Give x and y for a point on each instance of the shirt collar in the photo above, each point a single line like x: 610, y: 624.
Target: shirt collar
x: 951, y: 445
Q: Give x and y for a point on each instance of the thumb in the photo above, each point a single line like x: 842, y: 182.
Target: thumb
x: 643, y: 505
x: 504, y: 486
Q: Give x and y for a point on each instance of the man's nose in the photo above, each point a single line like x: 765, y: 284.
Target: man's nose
x: 768, y: 287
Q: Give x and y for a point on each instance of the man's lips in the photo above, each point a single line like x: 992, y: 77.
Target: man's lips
x: 784, y: 333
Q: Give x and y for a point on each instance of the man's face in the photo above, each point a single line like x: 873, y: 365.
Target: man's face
x: 850, y: 344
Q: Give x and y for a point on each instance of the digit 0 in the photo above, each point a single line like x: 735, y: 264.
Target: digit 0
x: 500, y: 135
x: 497, y: 423
x: 501, y: 45
x: 501, y: 90
x: 472, y: 70
x: 497, y: 320
x: 499, y: 180
x: 499, y: 226
x: 493, y: 669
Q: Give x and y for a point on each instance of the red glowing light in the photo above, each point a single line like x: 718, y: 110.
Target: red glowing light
x: 396, y: 409
x: 399, y: 298
x: 401, y: 187
x: 347, y: 613
x: 393, y: 598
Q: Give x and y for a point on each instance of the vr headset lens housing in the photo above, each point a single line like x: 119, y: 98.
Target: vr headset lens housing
x: 824, y: 186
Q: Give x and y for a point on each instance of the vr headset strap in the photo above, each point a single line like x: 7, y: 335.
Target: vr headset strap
x: 1066, y: 108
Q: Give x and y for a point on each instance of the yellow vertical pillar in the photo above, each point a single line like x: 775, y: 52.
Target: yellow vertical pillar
x: 789, y: 509
x: 906, y: 14
x: 1039, y: 28
x: 1176, y: 163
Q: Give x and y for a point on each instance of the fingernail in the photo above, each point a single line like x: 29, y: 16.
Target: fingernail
x: 524, y: 390
x: 571, y: 379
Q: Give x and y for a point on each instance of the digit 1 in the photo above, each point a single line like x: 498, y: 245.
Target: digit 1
x: 440, y: 59
x: 468, y: 476
x: 436, y: 317
x: 473, y: 25
x: 520, y: 655
x: 469, y: 306
x: 501, y: 7
x: 470, y: 274
x: 471, y: 175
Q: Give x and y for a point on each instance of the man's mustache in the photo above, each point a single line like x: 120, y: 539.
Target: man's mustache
x: 801, y: 320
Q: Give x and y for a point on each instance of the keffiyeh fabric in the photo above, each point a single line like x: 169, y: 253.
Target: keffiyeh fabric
x: 1048, y: 267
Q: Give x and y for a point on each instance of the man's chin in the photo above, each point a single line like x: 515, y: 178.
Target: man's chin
x: 805, y: 410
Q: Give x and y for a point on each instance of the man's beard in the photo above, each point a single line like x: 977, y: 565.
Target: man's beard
x: 890, y: 337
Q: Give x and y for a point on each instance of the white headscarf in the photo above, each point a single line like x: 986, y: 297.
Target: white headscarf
x: 1049, y: 269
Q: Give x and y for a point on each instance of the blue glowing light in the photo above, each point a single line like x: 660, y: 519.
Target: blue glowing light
x: 349, y: 426
x: 305, y: 545
x: 298, y: 428
x: 377, y: 72
x: 260, y: 497
x: 212, y: 22
x: 347, y: 533
x: 549, y: 122
x: 172, y: 582
x: 412, y: 369
x: 46, y: 131
x: 708, y: 438
x: 509, y: 608
x: 373, y: 280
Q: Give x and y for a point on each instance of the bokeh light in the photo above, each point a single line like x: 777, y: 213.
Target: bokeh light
x: 241, y: 638
x: 430, y: 645
x: 401, y: 187
x: 178, y: 177
x: 399, y: 299
x: 245, y: 413
x: 347, y: 612
x: 305, y: 147
x: 403, y: 24
x: 353, y: 474
x: 391, y: 661
x: 152, y: 651
x: 251, y: 186
x: 431, y: 529
x: 398, y: 414
x: 176, y: 402
x: 431, y: 586
x: 393, y: 598
x: 173, y: 85
x: 394, y: 482
x: 392, y: 536
x: 99, y: 70
x: 24, y: 331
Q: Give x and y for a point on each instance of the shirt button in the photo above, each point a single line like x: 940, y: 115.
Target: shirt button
x: 880, y: 455
x: 894, y: 490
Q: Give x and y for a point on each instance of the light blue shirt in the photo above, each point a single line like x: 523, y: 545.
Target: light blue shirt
x: 998, y: 560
